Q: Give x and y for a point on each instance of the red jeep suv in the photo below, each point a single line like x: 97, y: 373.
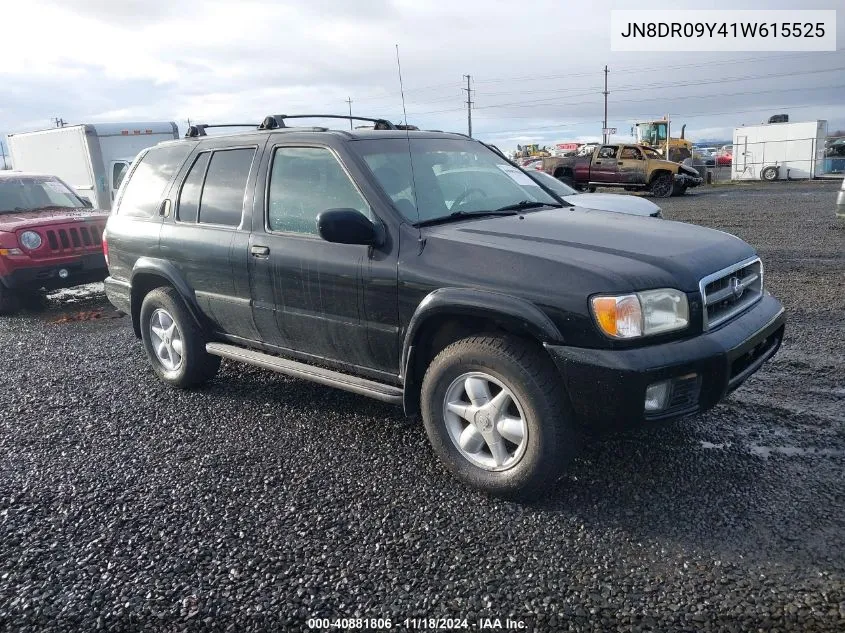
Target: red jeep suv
x: 49, y: 237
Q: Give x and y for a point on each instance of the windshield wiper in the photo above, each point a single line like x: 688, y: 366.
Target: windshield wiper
x: 459, y: 215
x: 527, y: 204
x: 509, y: 209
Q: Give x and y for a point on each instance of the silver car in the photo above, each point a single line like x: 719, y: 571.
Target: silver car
x: 840, y: 201
x: 617, y: 203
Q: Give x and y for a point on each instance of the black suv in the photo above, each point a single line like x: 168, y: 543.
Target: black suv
x: 423, y: 269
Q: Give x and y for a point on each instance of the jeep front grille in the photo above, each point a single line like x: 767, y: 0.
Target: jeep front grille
x: 74, y: 237
x: 727, y: 293
x: 70, y: 239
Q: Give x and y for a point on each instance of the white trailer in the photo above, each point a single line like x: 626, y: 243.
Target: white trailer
x: 92, y: 158
x: 779, y: 151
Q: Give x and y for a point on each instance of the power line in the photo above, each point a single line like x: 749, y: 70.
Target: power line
x: 634, y: 87
x: 635, y: 69
x: 678, y: 116
x: 704, y: 96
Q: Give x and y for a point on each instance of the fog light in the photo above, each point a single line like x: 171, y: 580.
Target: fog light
x: 63, y: 273
x: 657, y: 395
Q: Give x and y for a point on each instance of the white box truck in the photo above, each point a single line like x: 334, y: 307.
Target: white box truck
x: 91, y: 157
x: 779, y: 151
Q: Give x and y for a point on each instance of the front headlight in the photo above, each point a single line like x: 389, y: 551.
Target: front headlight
x: 30, y: 240
x: 642, y: 313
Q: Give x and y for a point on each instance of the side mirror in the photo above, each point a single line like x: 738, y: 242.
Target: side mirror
x: 347, y: 226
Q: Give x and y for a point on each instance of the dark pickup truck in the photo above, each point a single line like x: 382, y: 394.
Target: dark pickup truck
x: 629, y: 166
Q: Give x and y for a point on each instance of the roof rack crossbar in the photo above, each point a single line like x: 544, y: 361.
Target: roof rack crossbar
x: 278, y: 120
x: 200, y: 128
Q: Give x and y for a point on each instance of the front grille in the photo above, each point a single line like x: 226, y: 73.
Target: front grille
x: 729, y: 292
x: 66, y: 240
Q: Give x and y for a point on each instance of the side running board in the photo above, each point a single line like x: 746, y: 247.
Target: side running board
x: 361, y: 386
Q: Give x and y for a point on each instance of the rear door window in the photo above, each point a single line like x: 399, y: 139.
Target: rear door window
x: 222, y: 199
x: 148, y: 181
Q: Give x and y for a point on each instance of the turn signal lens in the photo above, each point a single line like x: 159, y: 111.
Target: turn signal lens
x: 619, y: 317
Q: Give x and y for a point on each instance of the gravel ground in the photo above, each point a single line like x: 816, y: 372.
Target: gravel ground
x: 259, y: 501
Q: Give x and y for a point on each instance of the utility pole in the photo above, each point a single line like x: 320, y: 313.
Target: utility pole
x: 469, y: 105
x: 605, y: 93
x: 349, y: 101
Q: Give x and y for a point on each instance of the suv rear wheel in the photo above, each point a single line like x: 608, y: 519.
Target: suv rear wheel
x: 495, y: 414
x: 173, y: 341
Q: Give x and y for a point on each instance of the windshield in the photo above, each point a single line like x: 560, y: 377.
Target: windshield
x: 26, y: 193
x: 652, y: 133
x: 449, y: 176
x: 550, y: 182
x: 650, y: 153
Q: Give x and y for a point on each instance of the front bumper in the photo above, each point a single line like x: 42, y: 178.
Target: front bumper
x: 608, y: 386
x: 840, y: 204
x: 688, y: 180
x: 81, y: 270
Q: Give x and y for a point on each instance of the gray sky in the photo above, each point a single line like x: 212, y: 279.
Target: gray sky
x: 536, y: 66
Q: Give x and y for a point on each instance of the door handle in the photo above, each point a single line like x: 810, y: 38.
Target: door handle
x: 620, y: 163
x: 598, y: 162
x: 260, y: 251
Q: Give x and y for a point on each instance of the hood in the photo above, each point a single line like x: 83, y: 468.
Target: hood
x: 608, y: 251
x: 632, y: 205
x: 42, y: 217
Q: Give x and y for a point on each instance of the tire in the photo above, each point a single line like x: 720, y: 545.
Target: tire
x: 161, y: 309
x: 662, y: 186
x: 568, y: 180
x: 769, y: 174
x: 591, y: 189
x: 33, y: 300
x: 535, y: 398
x: 679, y: 190
x: 9, y: 301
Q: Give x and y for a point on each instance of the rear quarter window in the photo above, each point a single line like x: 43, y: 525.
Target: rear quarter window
x: 143, y: 191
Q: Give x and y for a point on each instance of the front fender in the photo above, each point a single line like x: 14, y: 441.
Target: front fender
x: 512, y: 313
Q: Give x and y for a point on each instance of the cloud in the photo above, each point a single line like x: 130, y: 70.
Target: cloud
x: 536, y: 67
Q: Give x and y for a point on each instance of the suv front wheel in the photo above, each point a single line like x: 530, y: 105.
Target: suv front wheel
x: 173, y: 341
x: 494, y: 411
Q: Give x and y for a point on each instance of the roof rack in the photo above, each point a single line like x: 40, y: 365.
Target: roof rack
x: 276, y: 121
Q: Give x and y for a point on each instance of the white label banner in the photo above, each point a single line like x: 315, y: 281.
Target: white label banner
x: 720, y: 31
x: 517, y: 176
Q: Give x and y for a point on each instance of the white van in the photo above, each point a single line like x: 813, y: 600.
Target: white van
x: 91, y: 157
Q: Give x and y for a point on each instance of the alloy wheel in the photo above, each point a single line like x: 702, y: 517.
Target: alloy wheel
x: 485, y: 421
x: 166, y: 340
